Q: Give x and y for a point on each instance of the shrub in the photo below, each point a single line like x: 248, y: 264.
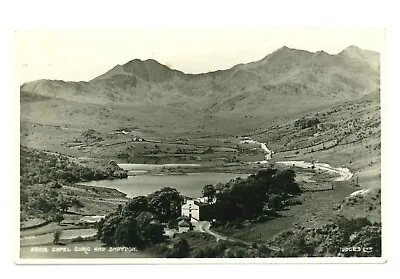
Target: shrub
x: 205, y: 252
x: 275, y: 202
x: 179, y: 248
x: 306, y: 122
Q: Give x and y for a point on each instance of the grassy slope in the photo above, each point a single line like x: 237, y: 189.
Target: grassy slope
x: 355, y: 125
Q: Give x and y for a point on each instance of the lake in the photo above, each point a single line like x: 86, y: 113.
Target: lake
x: 189, y: 185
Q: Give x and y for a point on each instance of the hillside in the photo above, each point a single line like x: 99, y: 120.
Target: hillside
x: 287, y: 80
x: 346, y: 134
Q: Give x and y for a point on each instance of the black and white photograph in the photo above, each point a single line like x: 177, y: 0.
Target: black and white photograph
x: 200, y: 144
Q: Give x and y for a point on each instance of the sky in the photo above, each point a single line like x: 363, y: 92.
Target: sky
x: 81, y: 55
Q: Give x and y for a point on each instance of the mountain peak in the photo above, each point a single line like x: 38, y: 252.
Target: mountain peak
x: 352, y: 48
x: 140, y: 62
x: 284, y: 49
x: 321, y: 52
x: 356, y: 50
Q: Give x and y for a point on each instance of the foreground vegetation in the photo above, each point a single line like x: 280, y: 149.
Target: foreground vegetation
x: 138, y: 223
x: 343, y: 237
x: 45, y: 178
x: 257, y: 195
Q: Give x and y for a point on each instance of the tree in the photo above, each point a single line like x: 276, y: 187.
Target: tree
x: 127, y: 233
x: 56, y: 236
x: 284, y: 182
x: 209, y: 192
x: 150, y: 228
x: 136, y: 206
x: 165, y: 203
x: 107, y: 229
x: 43, y: 204
x: 58, y: 218
x: 64, y: 204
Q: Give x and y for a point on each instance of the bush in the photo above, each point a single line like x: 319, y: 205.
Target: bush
x: 275, y: 202
x: 179, y: 248
x: 205, y: 252
x: 306, y: 122
x: 328, y: 239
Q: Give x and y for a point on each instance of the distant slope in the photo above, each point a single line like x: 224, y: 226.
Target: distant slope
x: 348, y: 134
x: 286, y: 78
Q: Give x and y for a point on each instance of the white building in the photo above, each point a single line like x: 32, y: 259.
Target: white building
x: 191, y: 209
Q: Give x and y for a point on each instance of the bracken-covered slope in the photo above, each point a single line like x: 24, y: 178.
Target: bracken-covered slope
x: 287, y: 79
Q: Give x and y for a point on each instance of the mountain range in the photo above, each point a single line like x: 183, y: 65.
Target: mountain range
x: 287, y: 80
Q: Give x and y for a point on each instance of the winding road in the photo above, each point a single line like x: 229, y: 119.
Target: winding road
x: 344, y: 174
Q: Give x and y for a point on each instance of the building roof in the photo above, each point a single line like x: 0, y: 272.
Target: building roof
x: 183, y: 217
x: 196, y: 202
x: 183, y: 223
